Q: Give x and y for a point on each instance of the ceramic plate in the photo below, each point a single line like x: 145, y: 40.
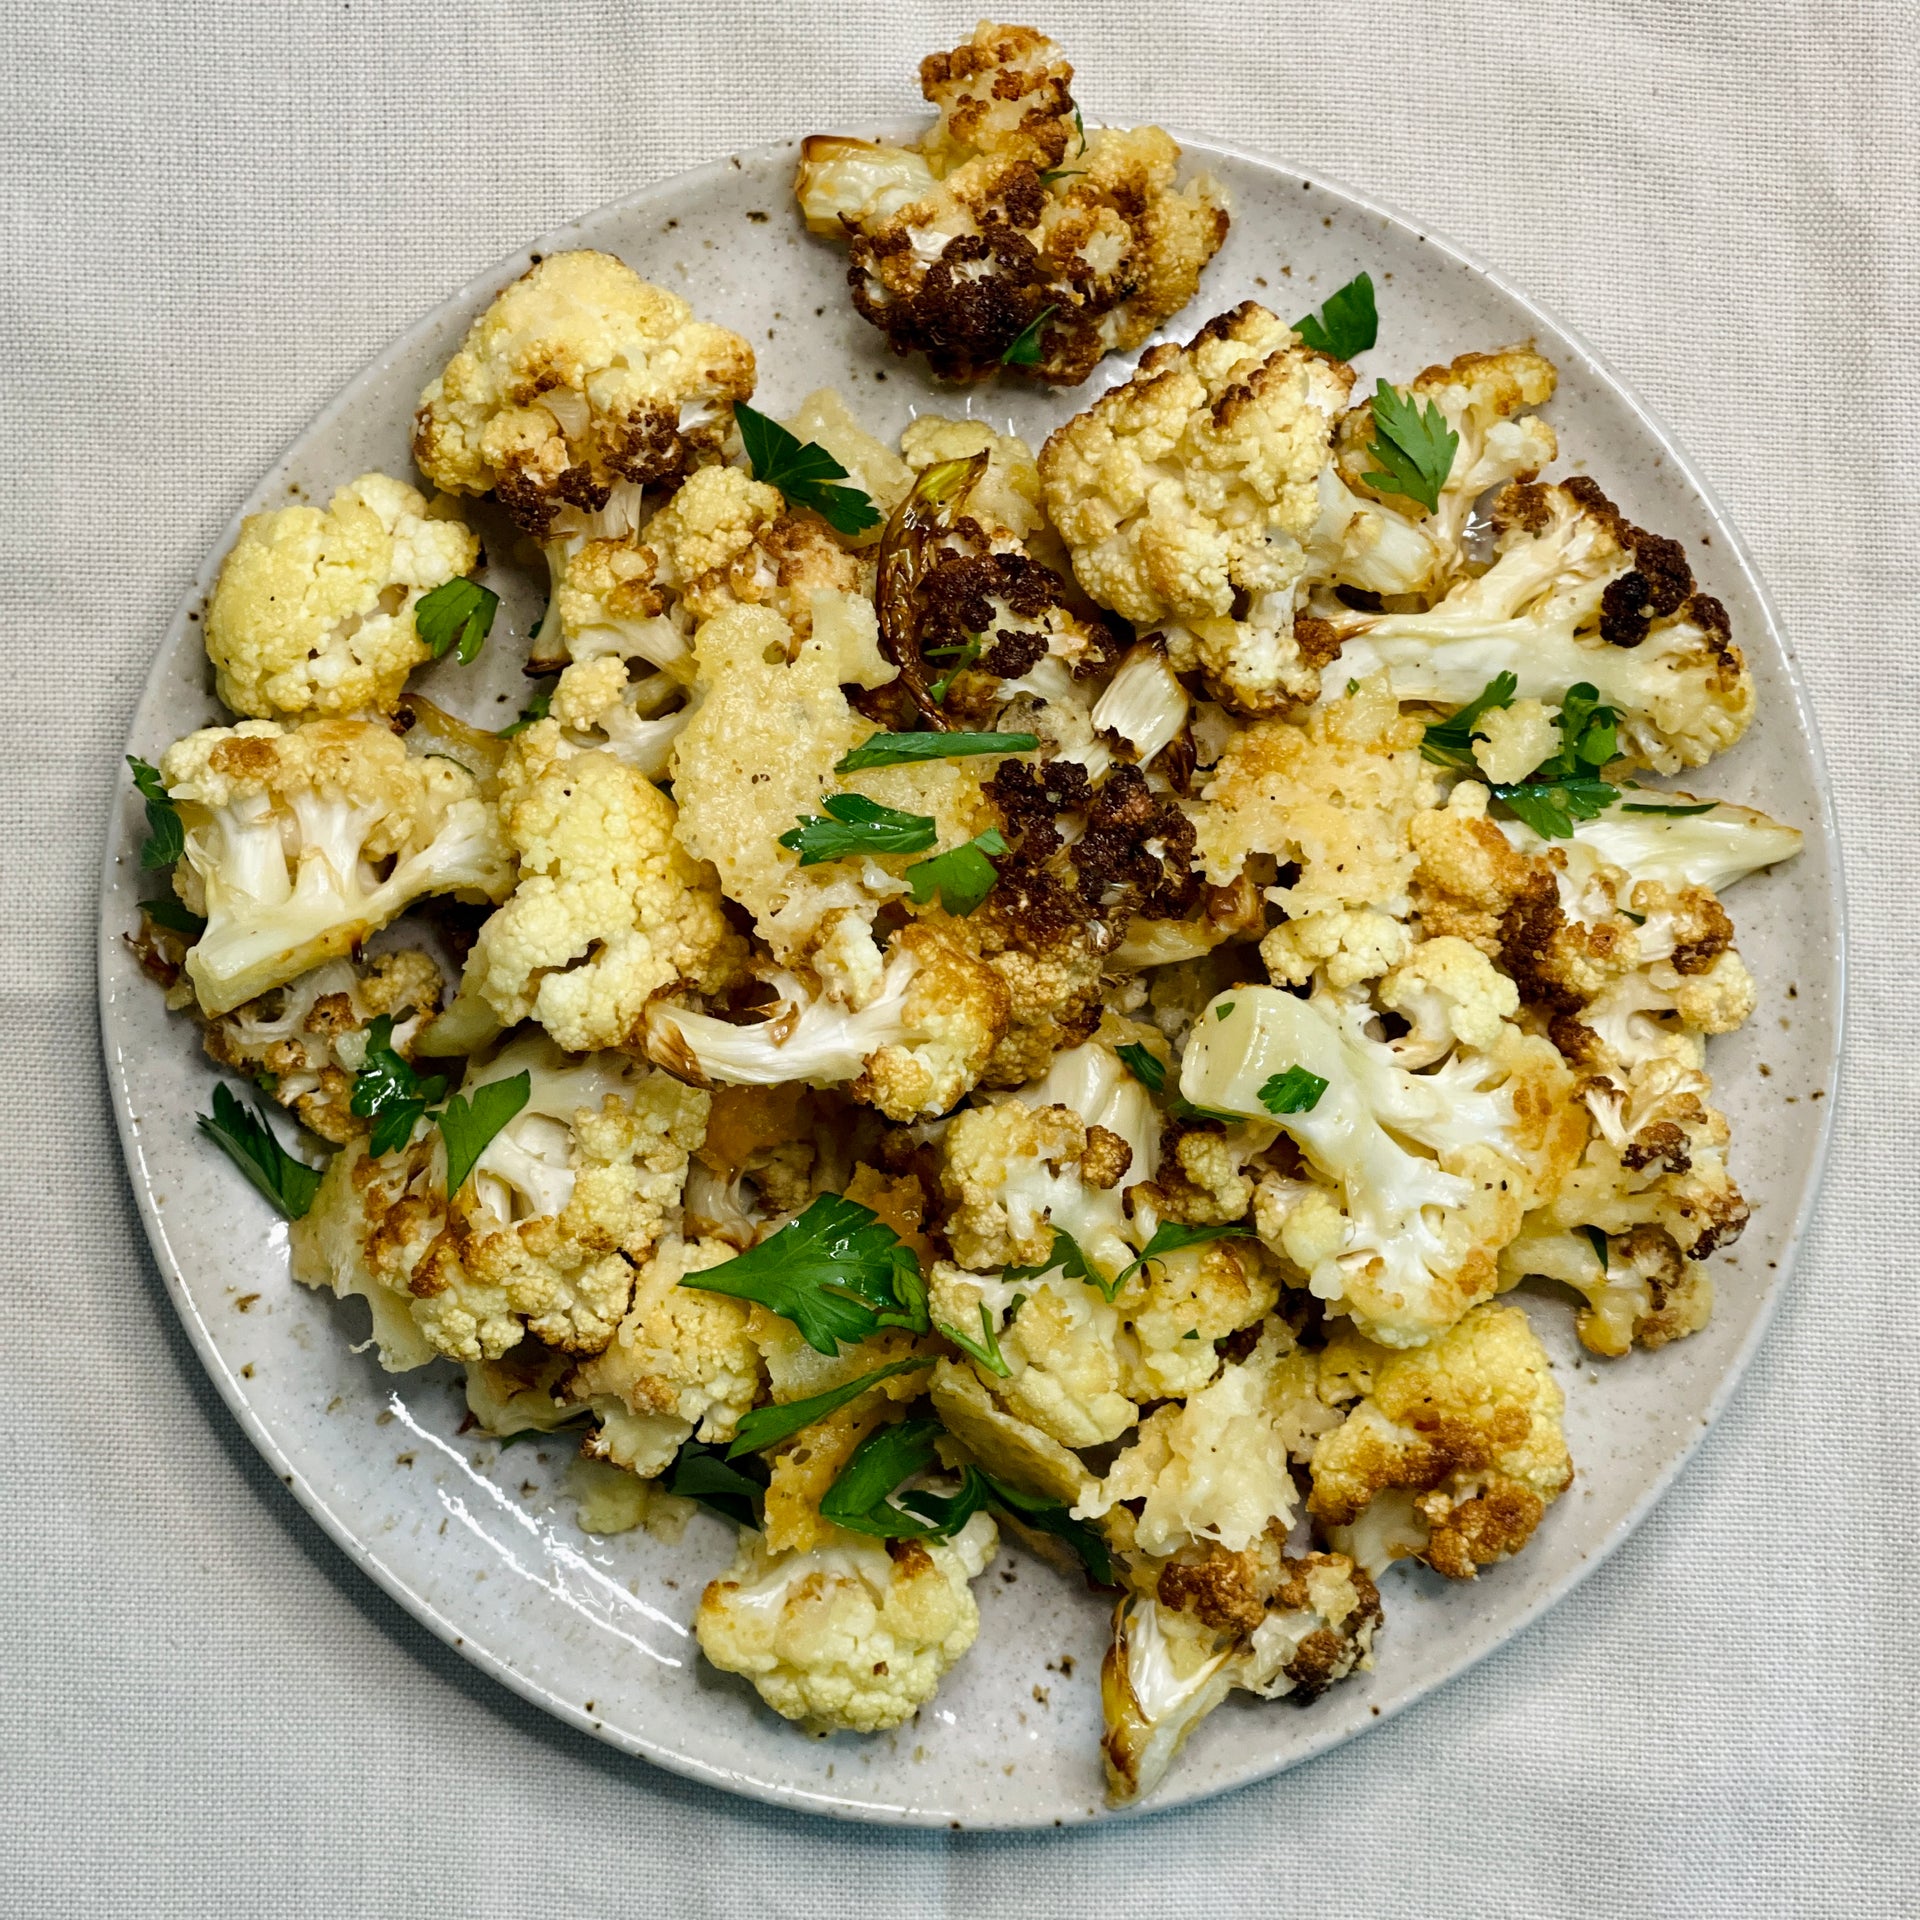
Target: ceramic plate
x: 480, y: 1544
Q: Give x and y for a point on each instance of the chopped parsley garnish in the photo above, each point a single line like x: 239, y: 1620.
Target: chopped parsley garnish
x: 950, y: 1512
x: 804, y: 472
x: 899, y: 749
x: 388, y: 1092
x: 166, y: 839
x: 1673, y: 812
x: 986, y: 1349
x: 1069, y: 173
x: 1413, y: 449
x: 838, y: 1272
x: 1567, y: 788
x: 1598, y: 1241
x: 861, y: 1498
x: 1065, y: 1257
x: 1348, y: 323
x: 1153, y: 1076
x: 251, y: 1144
x: 964, y: 657
x: 703, y: 1473
x: 469, y: 1121
x: 536, y: 709
x: 1449, y: 742
x: 1025, y: 351
x: 169, y: 913
x: 768, y: 1426
x: 856, y: 825
x: 1170, y: 1237
x: 1295, y: 1091
x: 963, y: 876
x: 1223, y: 1009
x: 457, y: 614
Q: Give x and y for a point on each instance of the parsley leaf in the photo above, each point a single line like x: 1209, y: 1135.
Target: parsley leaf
x: 1348, y: 323
x: 967, y: 655
x: 1672, y: 813
x: 838, y: 1272
x: 1170, y: 1237
x: 166, y: 838
x: 169, y: 913
x: 1598, y: 1241
x: 1414, y: 449
x: 963, y: 876
x: 767, y: 1426
x: 1295, y: 1091
x: 860, y: 1498
x: 251, y: 1144
x: 804, y: 472
x: 467, y: 1123
x: 536, y: 709
x: 1449, y: 742
x: 1043, y: 1516
x: 457, y: 614
x: 857, y: 825
x: 1566, y: 787
x: 1223, y: 1009
x: 520, y: 1434
x: 704, y: 1473
x: 986, y: 1349
x: 898, y: 749
x: 1025, y: 351
x: 388, y: 1092
x: 1551, y: 810
x: 1153, y: 1076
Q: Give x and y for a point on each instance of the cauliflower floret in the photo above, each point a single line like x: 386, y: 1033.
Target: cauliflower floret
x: 598, y: 703
x: 1710, y: 849
x: 1342, y: 945
x: 1338, y: 797
x: 1011, y: 1449
x: 1200, y: 1626
x: 286, y: 831
x: 608, y: 911
x: 1450, y: 995
x: 1181, y: 1303
x: 1218, y: 1465
x: 683, y: 1362
x: 584, y: 1180
x: 579, y: 376
x: 1007, y: 492
x: 855, y: 1635
x: 1009, y: 217
x: 305, y: 1041
x: 1576, y: 594
x: 313, y: 611
x: 1402, y: 1241
x: 1510, y: 741
x: 1453, y: 1455
x: 1195, y: 488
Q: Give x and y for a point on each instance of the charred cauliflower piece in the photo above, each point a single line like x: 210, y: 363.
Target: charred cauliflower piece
x: 313, y: 611
x: 1453, y: 1453
x: 1009, y: 219
x: 853, y: 1636
x: 1188, y: 499
x: 578, y: 379
x: 305, y: 1041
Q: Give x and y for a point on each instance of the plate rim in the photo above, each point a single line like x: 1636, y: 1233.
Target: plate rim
x: 786, y: 1794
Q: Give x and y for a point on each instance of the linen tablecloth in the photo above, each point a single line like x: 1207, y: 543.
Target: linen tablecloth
x: 216, y: 211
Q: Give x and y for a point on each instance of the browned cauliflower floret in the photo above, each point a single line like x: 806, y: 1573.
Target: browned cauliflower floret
x: 1009, y: 219
x: 578, y: 378
x: 1454, y: 1452
x: 304, y: 1042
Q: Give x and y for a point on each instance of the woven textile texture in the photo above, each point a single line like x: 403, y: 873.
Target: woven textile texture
x: 215, y: 212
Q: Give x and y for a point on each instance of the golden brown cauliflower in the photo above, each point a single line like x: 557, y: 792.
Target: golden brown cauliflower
x: 1009, y: 219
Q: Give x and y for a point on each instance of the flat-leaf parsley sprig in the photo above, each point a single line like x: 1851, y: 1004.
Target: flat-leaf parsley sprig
x: 805, y: 473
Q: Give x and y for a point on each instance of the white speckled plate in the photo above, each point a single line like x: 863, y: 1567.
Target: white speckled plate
x: 480, y: 1545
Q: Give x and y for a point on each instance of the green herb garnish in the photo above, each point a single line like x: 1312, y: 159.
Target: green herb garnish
x: 1065, y: 1257
x: 388, y: 1092
x: 804, y: 472
x: 1567, y: 788
x: 1598, y: 1241
x: 1673, y: 812
x: 950, y: 1512
x: 964, y: 657
x: 1170, y: 1237
x: 1025, y: 351
x: 251, y: 1144
x: 1346, y: 324
x: 856, y: 825
x: 1449, y: 742
x: 1295, y: 1091
x: 860, y: 1498
x: 1414, y: 449
x: 457, y: 614
x: 169, y: 913
x: 899, y: 749
x: 703, y: 1473
x: 838, y: 1272
x: 166, y: 838
x: 986, y: 1349
x: 521, y: 1434
x: 1153, y: 1076
x: 768, y: 1426
x: 536, y: 709
x: 469, y: 1121
x: 963, y: 876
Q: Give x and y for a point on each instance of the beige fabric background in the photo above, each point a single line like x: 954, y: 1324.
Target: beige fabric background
x: 215, y: 211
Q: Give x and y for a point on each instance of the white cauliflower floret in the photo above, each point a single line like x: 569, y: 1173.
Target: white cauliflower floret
x: 1344, y: 945
x: 1402, y: 1241
x: 1006, y: 495
x: 1576, y: 594
x: 1179, y: 1304
x: 1009, y: 218
x: 911, y: 1050
x: 855, y: 1635
x: 313, y: 611
x: 1450, y: 994
x: 1217, y: 1466
x: 305, y: 1041
x: 579, y: 377
x: 584, y: 1180
x: 609, y: 910
x: 684, y: 1362
x: 286, y: 833
x: 598, y: 703
x: 1195, y: 488
x: 1510, y: 741
x: 1454, y: 1453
